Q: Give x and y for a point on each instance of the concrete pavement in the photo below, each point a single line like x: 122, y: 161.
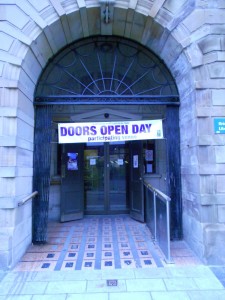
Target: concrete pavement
x: 168, y: 283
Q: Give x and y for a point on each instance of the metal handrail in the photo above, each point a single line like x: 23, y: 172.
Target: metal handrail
x: 24, y: 200
x: 158, y: 192
x: 167, y: 200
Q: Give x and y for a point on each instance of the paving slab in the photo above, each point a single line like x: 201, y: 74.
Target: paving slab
x: 145, y: 285
x: 16, y: 297
x: 63, y: 287
x: 189, y: 271
x: 130, y: 296
x: 50, y: 297
x: 180, y: 284
x: 152, y: 273
x: 208, y: 283
x: 89, y: 296
x: 170, y: 296
x: 206, y: 295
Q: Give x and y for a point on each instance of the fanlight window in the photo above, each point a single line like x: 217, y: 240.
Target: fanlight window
x: 106, y: 66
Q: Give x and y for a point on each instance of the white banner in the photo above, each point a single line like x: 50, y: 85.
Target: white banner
x: 109, y: 131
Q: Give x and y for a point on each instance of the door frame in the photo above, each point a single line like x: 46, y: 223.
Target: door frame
x: 106, y: 114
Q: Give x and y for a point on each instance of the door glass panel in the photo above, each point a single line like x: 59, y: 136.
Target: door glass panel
x: 118, y: 176
x: 94, y: 177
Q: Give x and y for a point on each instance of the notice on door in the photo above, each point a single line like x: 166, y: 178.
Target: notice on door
x: 135, y: 161
x: 72, y: 161
x: 92, y: 161
x: 109, y: 131
x: 120, y: 161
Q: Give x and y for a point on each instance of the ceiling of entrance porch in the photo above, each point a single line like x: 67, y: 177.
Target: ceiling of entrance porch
x: 106, y: 114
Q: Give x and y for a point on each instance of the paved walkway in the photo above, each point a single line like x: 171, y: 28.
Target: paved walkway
x: 109, y: 259
x: 168, y: 283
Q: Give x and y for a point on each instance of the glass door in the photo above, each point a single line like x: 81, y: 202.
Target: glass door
x: 94, y: 181
x: 118, y: 176
x: 106, y: 177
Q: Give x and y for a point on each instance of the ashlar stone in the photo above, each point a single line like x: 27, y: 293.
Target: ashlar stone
x: 204, y: 98
x: 157, y: 4
x: 26, y: 82
x: 210, y: 43
x: 119, y: 20
x: 214, y: 242
x: 6, y: 41
x: 15, y: 16
x: 156, y: 36
x: 220, y: 186
x: 94, y: 18
x: 201, y: 73
x: 204, y: 126
x: 40, y: 5
x: 7, y: 187
x: 138, y: 26
x: 36, y: 69
x: 173, y: 6
x: 207, y: 183
x: 210, y: 57
x: 218, y: 97
x: 171, y: 51
x: 194, y: 20
x: 75, y: 25
x: 215, y: 16
x: 208, y: 213
x: 194, y: 55
x: 217, y: 70
x: 7, y: 156
x: 193, y: 234
x: 221, y: 213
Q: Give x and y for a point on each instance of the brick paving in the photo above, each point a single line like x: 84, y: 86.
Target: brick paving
x: 111, y: 242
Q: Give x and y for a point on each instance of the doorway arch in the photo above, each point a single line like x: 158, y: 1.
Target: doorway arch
x: 103, y: 70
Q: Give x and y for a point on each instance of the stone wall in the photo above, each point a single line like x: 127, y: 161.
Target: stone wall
x: 187, y: 35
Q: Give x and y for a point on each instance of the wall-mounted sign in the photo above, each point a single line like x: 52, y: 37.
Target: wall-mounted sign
x: 219, y: 125
x: 109, y: 131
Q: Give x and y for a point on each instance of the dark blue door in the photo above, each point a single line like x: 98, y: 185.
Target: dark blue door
x: 136, y: 183
x: 72, y: 184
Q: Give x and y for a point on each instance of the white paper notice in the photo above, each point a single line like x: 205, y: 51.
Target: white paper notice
x: 92, y: 162
x: 135, y: 161
x: 120, y: 161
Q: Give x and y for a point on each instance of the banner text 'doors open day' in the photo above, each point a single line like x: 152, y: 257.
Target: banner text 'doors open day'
x: 109, y: 131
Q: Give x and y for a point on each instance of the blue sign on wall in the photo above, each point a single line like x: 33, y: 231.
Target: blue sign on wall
x: 219, y: 125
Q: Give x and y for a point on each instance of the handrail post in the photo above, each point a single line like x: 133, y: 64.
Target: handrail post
x: 168, y: 230
x: 155, y: 217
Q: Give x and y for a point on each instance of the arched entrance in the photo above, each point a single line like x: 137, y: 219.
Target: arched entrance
x: 105, y: 74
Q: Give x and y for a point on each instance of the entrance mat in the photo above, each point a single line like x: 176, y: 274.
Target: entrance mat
x: 100, y: 242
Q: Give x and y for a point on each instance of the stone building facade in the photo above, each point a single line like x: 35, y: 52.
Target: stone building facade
x: 188, y: 35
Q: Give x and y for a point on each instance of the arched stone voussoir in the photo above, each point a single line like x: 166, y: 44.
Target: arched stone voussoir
x: 87, y: 20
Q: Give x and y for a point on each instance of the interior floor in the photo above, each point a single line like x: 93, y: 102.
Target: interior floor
x: 101, y: 242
